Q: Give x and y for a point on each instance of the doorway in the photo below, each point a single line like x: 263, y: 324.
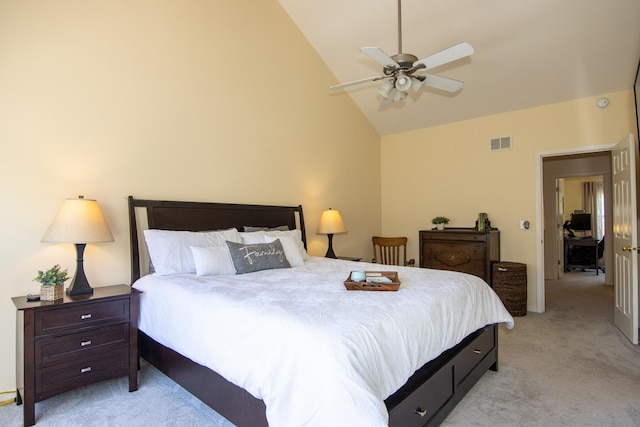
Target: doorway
x: 591, y: 162
x: 580, y: 225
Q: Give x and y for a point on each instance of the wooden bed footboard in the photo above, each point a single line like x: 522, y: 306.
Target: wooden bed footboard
x: 232, y: 402
x: 425, y: 400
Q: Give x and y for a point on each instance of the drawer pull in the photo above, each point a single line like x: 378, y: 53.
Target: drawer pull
x: 85, y: 343
x: 85, y: 316
x: 476, y: 351
x: 85, y: 370
x: 421, y: 412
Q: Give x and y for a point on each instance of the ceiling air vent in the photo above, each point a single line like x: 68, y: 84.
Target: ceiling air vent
x: 500, y: 143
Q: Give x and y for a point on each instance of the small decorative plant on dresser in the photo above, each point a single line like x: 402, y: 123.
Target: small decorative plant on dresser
x: 440, y: 222
x: 52, y: 283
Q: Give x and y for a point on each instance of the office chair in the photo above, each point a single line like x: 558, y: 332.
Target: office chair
x: 591, y: 257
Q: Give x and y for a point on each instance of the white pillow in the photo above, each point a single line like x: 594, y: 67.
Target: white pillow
x: 296, y: 235
x: 290, y: 249
x: 252, y: 237
x: 170, y: 251
x: 213, y: 261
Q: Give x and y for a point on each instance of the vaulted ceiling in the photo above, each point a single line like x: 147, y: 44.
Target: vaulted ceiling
x: 527, y: 53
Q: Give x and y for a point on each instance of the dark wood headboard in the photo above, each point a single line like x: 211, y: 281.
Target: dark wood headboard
x: 203, y: 216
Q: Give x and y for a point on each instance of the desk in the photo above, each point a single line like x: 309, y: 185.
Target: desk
x: 578, y: 261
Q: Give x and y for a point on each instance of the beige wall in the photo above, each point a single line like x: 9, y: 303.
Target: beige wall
x: 448, y: 170
x: 572, y: 196
x: 189, y: 100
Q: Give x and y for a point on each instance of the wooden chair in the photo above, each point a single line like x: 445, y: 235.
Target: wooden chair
x: 391, y: 251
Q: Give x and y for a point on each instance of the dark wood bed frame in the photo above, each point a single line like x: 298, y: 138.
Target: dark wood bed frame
x: 427, y: 397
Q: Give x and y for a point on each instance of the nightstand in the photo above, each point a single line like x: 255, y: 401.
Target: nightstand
x: 75, y: 341
x: 350, y: 258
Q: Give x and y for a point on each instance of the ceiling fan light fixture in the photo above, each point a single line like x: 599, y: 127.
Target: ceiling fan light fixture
x: 416, y: 84
x: 399, y: 95
x: 385, y: 89
x: 403, y: 82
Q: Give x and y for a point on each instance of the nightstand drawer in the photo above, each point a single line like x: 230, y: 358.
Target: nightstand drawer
x: 74, y: 346
x: 77, y: 317
x: 67, y: 376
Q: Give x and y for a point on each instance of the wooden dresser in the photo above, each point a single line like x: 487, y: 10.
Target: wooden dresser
x: 75, y: 341
x: 460, y: 249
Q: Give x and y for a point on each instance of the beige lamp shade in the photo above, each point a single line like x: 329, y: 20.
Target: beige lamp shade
x: 78, y: 221
x: 331, y: 222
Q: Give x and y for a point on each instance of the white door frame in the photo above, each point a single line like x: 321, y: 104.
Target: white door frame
x: 540, y: 156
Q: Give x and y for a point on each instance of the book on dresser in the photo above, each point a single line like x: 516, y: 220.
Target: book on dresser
x: 460, y: 249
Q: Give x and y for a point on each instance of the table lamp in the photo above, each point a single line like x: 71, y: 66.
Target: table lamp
x: 331, y: 223
x: 78, y: 221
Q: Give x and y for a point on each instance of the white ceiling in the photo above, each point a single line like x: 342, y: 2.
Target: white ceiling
x: 527, y: 53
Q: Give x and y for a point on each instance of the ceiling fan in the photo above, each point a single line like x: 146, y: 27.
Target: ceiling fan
x: 399, y: 69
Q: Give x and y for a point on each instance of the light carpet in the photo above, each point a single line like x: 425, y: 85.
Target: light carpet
x: 569, y: 366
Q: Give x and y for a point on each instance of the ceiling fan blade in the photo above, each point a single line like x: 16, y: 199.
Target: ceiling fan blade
x: 355, y: 82
x: 459, y: 51
x: 443, y: 83
x: 379, y: 56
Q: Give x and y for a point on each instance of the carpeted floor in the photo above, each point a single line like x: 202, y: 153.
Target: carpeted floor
x: 158, y: 402
x: 567, y: 367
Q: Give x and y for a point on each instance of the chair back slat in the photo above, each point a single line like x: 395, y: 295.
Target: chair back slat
x: 390, y: 251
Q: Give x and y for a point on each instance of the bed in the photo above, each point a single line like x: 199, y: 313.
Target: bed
x: 312, y: 364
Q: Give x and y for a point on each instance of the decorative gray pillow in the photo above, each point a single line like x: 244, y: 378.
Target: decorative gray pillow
x: 248, y: 228
x: 250, y: 257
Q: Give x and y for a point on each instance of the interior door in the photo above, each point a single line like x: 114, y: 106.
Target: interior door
x: 625, y: 237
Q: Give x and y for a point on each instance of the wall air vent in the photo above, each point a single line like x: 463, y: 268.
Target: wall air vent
x: 500, y: 143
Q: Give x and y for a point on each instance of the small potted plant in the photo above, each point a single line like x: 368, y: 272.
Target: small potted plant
x: 440, y: 222
x: 52, y: 283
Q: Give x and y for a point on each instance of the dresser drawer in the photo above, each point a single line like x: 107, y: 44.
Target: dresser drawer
x: 81, y: 316
x: 466, y: 250
x: 419, y: 407
x: 463, y: 256
x: 457, y: 237
x: 473, y: 354
x: 58, y: 378
x: 80, y: 344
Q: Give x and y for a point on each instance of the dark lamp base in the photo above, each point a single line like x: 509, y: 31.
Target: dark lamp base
x: 330, y: 253
x: 79, y: 284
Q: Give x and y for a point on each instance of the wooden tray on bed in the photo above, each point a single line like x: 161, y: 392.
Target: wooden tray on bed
x: 372, y: 286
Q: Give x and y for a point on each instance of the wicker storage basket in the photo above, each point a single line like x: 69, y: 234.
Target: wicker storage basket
x: 51, y: 293
x: 509, y: 280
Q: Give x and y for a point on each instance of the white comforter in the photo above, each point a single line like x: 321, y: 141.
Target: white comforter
x: 317, y: 354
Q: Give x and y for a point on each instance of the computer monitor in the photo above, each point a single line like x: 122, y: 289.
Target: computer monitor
x: 581, y: 222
